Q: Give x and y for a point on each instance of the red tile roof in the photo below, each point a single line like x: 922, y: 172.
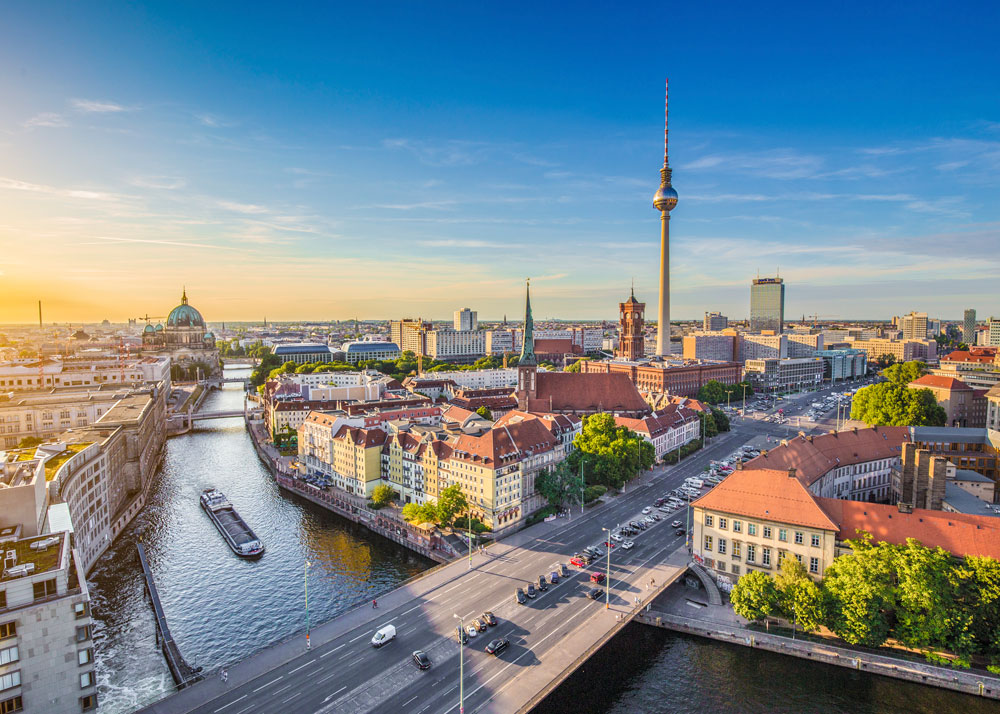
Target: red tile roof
x: 555, y: 345
x: 659, y: 422
x: 766, y: 494
x: 813, y: 457
x: 958, y: 533
x: 361, y: 437
x: 578, y: 392
x: 936, y: 382
x: 979, y: 356
x: 504, y: 445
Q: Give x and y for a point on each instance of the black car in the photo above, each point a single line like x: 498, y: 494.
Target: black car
x: 421, y: 659
x: 543, y: 585
x: 679, y: 531
x: 595, y: 593
x: 489, y: 618
x: 463, y: 637
x: 563, y: 570
x: 520, y: 596
x: 531, y: 590
x: 497, y: 646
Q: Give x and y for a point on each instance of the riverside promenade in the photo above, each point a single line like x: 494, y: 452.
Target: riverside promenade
x: 699, y: 612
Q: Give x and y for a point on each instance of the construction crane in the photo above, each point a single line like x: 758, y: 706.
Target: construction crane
x: 147, y: 318
x: 816, y: 318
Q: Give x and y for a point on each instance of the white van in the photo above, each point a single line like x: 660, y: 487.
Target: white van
x: 695, y: 482
x: 386, y: 633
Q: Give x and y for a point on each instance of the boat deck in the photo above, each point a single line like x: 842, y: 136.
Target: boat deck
x: 235, y: 527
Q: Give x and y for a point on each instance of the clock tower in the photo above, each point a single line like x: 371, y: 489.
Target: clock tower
x: 631, y: 336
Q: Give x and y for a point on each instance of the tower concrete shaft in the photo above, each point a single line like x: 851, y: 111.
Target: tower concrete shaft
x: 665, y: 200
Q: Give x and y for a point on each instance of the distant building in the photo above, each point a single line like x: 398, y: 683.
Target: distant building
x: 466, y: 320
x: 783, y: 375
x: 804, y: 345
x: 767, y: 304
x: 410, y: 334
x: 841, y: 364
x: 355, y: 352
x: 456, y: 347
x: 914, y: 326
x: 679, y: 378
x: 303, y: 353
x: 666, y: 429
x: 992, y: 332
x: 714, y: 321
x: 969, y: 327
x: 901, y: 350
x: 711, y: 346
x: 993, y: 408
x: 768, y: 345
x: 187, y: 340
x: 631, y: 343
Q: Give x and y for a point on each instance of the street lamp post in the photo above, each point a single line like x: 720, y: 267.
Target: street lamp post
x: 607, y: 574
x: 461, y: 666
x: 468, y: 523
x: 583, y: 484
x: 305, y: 577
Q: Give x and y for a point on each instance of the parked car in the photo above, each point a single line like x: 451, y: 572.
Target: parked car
x: 579, y: 562
x: 646, y: 510
x: 531, y: 590
x: 563, y: 571
x: 421, y: 659
x: 542, y: 583
x: 656, y: 517
x: 597, y: 577
x: 479, y: 625
x: 609, y: 544
x: 554, y: 577
x: 489, y: 618
x: 520, y: 596
x: 472, y: 630
x: 595, y: 593
x: 616, y: 537
x: 676, y: 524
x: 497, y: 646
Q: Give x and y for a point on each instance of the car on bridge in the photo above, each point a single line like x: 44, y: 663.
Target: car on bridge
x: 421, y: 659
x: 519, y: 596
x: 597, y: 577
x: 489, y: 618
x: 497, y: 646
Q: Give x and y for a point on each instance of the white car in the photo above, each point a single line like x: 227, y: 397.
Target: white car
x: 647, y: 510
x: 628, y: 545
x: 649, y: 519
x: 471, y: 630
x: 616, y: 538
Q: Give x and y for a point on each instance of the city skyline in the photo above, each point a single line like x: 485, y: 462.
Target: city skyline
x: 277, y: 170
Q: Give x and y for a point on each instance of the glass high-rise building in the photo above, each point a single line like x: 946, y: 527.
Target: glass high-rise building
x: 969, y: 327
x: 767, y: 304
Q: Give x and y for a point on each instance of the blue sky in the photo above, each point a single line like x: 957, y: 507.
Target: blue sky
x: 333, y: 160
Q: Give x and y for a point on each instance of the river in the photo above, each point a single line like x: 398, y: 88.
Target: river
x: 221, y: 609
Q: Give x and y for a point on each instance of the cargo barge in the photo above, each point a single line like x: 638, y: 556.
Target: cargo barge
x: 233, y: 528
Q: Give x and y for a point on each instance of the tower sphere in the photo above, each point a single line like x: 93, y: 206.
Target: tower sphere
x: 665, y: 199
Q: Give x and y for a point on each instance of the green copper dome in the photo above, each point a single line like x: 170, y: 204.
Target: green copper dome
x: 184, y: 315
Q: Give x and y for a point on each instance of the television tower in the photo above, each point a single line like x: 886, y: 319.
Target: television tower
x: 664, y: 200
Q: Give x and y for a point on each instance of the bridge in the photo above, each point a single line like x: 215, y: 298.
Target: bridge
x: 549, y: 637
x: 198, y: 416
x: 183, y: 673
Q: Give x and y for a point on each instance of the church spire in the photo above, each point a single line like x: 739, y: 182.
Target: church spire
x: 184, y: 295
x: 528, y: 344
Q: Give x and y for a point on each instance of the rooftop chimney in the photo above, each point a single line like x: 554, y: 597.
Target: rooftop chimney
x: 791, y: 472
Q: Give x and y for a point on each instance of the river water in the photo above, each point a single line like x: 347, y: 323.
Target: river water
x: 221, y: 608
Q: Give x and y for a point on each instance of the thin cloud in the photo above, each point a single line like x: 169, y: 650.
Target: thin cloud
x: 455, y: 243
x: 46, y: 119
x: 248, y: 208
x: 150, y: 241
x: 17, y: 185
x: 92, y: 106
x: 164, y: 182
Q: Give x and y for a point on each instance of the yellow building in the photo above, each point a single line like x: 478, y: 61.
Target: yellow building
x: 755, y: 519
x: 357, y: 459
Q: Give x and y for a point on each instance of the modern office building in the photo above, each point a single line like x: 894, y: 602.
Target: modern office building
x: 993, y: 332
x: 969, y: 327
x: 711, y: 346
x: 466, y: 320
x: 804, y: 344
x: 767, y: 304
x: 783, y: 375
x: 841, y: 364
x: 410, y: 334
x: 454, y: 346
x: 914, y: 326
x: 769, y: 345
x: 303, y: 353
x: 362, y: 351
x: 714, y: 321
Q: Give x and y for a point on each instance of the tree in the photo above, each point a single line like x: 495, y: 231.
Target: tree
x: 862, y: 596
x: 755, y: 596
x: 417, y: 513
x: 981, y: 597
x: 889, y: 404
x: 721, y: 420
x: 382, y: 495
x: 560, y: 485
x: 925, y: 596
x: 575, y: 367
x: 29, y: 442
x: 708, y: 425
x: 451, y: 502
x: 613, y: 454
x: 485, y: 413
x: 905, y: 372
x: 712, y: 392
x: 800, y: 599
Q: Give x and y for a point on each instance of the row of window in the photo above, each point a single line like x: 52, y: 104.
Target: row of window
x: 737, y: 527
x: 765, y: 553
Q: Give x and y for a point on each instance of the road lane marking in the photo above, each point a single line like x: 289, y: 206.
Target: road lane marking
x: 312, y: 661
x: 231, y: 703
x: 363, y: 634
x: 412, y: 609
x: 323, y: 679
x: 297, y: 694
x: 327, y: 654
x: 334, y: 694
x: 279, y: 691
x: 268, y: 684
x: 409, y: 700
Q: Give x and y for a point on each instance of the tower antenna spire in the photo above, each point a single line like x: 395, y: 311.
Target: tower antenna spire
x: 666, y: 118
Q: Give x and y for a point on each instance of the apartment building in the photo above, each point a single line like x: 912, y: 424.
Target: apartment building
x: 711, y: 346
x: 714, y: 321
x: 410, y: 334
x: 456, y: 347
x: 466, y: 320
x: 666, y: 429
x: 804, y: 344
x: 768, y: 345
x: 680, y: 377
x: 914, y: 326
x: 901, y: 350
x: 783, y: 375
x: 25, y: 375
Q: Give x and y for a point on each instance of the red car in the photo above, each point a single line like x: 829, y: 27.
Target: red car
x: 609, y: 544
x: 578, y: 562
x: 597, y: 577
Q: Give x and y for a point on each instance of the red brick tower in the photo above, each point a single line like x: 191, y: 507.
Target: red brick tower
x: 631, y: 344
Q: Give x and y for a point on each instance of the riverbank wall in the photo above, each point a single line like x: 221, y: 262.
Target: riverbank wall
x: 972, y: 683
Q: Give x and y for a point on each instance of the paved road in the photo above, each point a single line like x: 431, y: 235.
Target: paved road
x: 343, y: 673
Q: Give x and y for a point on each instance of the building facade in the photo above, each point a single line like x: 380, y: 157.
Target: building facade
x: 466, y: 320
x: 355, y: 352
x: 714, y: 321
x: 713, y: 346
x: 783, y: 375
x: 914, y: 326
x: 842, y: 364
x: 631, y: 342
x: 303, y: 353
x: 767, y: 305
x: 456, y: 347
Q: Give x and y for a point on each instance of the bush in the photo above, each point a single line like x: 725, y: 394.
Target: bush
x: 540, y: 515
x: 592, y: 493
x: 382, y: 495
x: 477, y: 525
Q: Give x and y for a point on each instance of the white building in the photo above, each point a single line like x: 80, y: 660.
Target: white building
x: 20, y: 375
x: 466, y: 320
x: 365, y: 350
x: 453, y: 346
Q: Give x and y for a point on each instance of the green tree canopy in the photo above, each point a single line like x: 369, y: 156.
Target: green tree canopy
x: 485, y: 413
x: 721, y: 420
x: 755, y: 596
x: 382, y: 495
x: 417, y: 513
x: 712, y: 392
x: 560, y: 485
x: 612, y: 454
x: 575, y: 367
x: 451, y: 502
x: 862, y: 596
x: 800, y: 599
x: 905, y: 372
x: 889, y: 404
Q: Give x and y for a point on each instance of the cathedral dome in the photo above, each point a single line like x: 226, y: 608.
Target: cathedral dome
x: 148, y: 328
x: 184, y: 315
